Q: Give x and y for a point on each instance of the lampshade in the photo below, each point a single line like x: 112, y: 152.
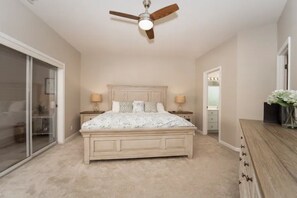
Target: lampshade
x: 96, y: 97
x: 145, y: 22
x: 180, y: 99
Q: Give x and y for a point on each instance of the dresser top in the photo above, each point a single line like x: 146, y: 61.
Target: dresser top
x: 273, y: 151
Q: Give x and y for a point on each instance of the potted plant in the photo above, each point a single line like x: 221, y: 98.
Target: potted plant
x: 287, y: 99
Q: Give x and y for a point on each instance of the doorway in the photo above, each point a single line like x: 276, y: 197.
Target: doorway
x: 284, y: 66
x: 212, y: 103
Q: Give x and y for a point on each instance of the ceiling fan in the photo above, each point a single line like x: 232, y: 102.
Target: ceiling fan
x: 146, y: 20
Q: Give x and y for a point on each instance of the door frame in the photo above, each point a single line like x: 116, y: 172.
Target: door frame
x: 29, y: 51
x: 205, y: 99
x: 285, y: 48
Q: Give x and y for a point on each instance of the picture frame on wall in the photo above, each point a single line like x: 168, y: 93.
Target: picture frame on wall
x: 49, y: 86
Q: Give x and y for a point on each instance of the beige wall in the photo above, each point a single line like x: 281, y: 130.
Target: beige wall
x: 248, y: 76
x: 256, y: 71
x: 20, y: 23
x: 287, y: 26
x: 224, y: 56
x: 99, y: 70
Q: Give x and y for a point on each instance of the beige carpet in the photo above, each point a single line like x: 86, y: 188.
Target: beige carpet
x: 60, y: 172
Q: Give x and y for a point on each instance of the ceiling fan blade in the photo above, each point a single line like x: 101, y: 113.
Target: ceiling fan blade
x: 129, y: 16
x: 164, y: 12
x: 150, y: 33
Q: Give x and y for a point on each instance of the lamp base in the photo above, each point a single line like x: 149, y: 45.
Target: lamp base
x: 96, y: 107
x: 179, y: 108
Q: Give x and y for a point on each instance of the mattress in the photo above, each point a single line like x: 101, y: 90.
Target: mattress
x: 112, y: 120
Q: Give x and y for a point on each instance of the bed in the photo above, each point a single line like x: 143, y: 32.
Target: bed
x: 122, y: 143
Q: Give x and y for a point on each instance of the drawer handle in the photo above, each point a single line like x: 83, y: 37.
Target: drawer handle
x: 249, y: 179
x: 241, y: 137
x: 242, y: 146
x: 246, y: 164
x: 240, y: 158
x: 243, y: 175
x: 243, y: 154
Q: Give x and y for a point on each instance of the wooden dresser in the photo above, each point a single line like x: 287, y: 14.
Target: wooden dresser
x: 268, y: 160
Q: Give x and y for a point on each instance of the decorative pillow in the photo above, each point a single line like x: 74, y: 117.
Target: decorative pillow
x: 17, y: 106
x: 126, y: 107
x: 150, y: 107
x: 138, y: 106
x: 160, y: 107
x: 115, y: 106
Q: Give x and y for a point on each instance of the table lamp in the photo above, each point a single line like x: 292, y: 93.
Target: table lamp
x: 180, y: 100
x: 96, y: 98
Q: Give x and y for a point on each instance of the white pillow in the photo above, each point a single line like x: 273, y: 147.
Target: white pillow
x: 160, y: 107
x: 138, y: 106
x: 115, y: 106
x: 17, y: 106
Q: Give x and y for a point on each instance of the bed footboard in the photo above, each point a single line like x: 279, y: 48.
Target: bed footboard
x: 145, y: 143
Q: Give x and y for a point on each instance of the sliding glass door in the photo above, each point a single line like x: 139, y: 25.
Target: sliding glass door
x: 44, y: 97
x: 14, y: 114
x: 28, y: 98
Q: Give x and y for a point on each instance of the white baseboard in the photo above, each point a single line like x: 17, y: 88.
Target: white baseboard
x: 229, y: 146
x: 71, y: 136
x: 199, y: 131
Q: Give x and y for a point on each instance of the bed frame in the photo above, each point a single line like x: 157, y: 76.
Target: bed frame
x: 137, y: 143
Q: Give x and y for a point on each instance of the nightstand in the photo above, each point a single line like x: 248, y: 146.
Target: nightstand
x: 188, y: 115
x: 88, y: 115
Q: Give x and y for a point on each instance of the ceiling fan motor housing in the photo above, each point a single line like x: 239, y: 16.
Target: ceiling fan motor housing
x: 145, y: 21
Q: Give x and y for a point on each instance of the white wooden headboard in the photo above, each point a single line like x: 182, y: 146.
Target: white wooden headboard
x: 130, y: 93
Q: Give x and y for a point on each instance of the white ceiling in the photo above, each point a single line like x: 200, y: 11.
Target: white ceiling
x: 198, y: 26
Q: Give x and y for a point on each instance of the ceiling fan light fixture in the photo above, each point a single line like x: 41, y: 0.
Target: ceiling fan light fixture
x: 145, y: 22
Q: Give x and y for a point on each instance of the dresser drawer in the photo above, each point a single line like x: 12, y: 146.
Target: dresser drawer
x: 186, y: 116
x: 212, y: 126
x: 248, y: 186
x: 88, y: 117
x: 212, y: 118
x: 213, y: 112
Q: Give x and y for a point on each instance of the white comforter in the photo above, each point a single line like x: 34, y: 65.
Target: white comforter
x: 111, y: 120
